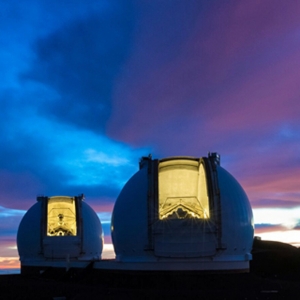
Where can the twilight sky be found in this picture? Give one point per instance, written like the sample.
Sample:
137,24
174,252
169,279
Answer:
88,87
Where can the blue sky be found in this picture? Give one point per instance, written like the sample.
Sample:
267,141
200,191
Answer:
88,87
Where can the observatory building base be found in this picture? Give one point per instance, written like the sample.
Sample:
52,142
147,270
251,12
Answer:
38,268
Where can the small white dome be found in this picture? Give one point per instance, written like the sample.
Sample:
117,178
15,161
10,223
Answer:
183,208
60,228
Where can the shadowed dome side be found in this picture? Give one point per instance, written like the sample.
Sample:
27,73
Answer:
236,214
29,234
92,233
129,219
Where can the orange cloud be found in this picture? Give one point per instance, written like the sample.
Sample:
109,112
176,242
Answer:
9,263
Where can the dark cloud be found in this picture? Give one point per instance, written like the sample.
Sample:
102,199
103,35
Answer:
80,62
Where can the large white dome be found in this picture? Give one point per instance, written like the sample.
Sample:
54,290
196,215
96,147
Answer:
183,209
59,228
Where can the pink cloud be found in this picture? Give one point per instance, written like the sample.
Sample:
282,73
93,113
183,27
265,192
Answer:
269,97
272,173
224,78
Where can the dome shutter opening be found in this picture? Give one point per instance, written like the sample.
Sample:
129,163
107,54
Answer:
184,227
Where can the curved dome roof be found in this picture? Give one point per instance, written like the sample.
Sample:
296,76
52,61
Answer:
60,227
183,208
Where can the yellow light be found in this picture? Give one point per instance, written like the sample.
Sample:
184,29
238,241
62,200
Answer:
61,215
182,190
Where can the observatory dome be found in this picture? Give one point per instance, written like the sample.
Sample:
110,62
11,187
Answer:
59,228
183,211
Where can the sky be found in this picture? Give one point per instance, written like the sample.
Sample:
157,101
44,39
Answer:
88,87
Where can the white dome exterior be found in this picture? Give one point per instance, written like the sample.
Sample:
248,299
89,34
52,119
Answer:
37,241
129,225
218,235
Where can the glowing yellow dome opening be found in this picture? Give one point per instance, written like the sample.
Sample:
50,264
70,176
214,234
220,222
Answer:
61,216
182,190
